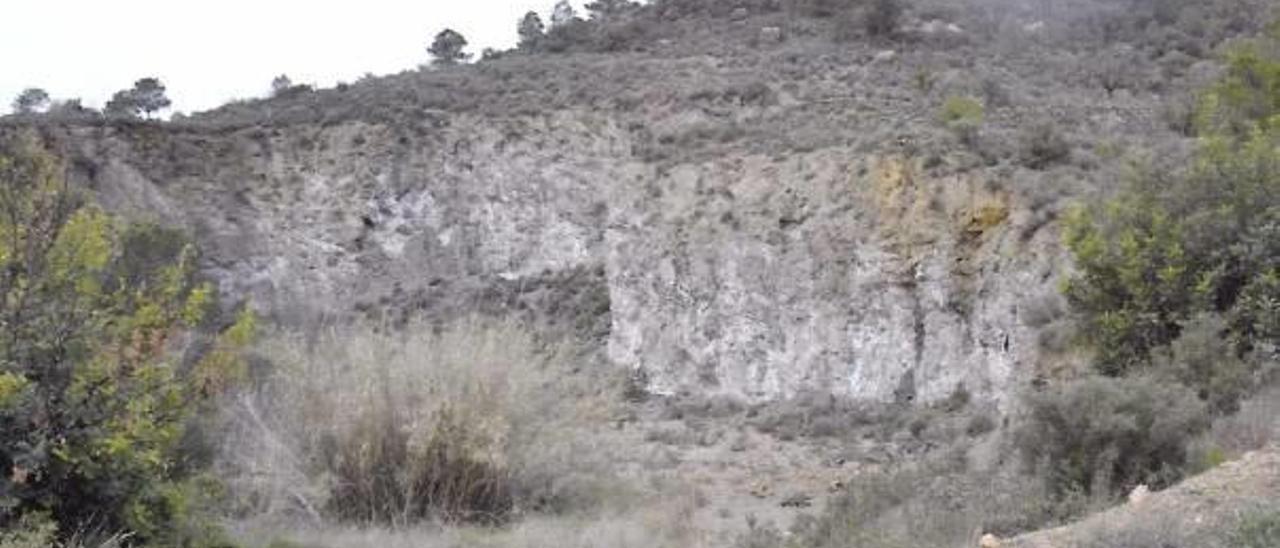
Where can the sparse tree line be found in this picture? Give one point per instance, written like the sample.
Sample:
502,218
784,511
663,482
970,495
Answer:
602,29
146,98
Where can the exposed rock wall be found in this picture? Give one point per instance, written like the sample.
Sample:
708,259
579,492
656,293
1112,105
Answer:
865,275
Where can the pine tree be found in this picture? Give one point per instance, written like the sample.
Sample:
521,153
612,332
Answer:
531,31
447,48
31,100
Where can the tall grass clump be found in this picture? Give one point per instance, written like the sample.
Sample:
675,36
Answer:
469,423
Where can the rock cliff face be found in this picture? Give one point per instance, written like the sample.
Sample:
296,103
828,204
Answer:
860,274
863,276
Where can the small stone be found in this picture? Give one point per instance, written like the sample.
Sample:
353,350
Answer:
760,490
884,55
1139,494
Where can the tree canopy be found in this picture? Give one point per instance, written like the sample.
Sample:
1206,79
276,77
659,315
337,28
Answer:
31,100
447,48
531,30
146,97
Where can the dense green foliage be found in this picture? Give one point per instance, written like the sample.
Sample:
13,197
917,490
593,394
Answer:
93,400
1177,290
963,117
1202,241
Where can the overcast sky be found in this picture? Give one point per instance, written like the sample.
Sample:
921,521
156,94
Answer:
208,52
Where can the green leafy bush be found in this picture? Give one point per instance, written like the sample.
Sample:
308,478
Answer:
1172,245
32,530
93,401
963,117
1248,95
1102,436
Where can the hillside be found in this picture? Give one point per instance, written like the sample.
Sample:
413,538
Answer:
745,273
755,219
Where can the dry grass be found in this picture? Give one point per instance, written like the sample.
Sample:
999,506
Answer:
474,422
659,524
939,502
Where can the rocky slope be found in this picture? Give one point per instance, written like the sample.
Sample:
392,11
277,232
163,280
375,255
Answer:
774,219
753,276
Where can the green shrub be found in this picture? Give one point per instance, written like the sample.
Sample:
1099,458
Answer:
1203,359
93,403
32,530
1248,95
963,117
1043,146
1174,245
1134,285
1169,247
1103,436
1258,530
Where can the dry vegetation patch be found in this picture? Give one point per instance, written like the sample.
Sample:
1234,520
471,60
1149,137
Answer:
477,421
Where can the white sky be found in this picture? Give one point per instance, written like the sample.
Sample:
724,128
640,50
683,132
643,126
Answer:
207,52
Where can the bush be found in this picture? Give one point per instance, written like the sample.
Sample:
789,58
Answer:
938,501
963,117
1249,92
369,426
881,17
1172,245
93,402
1043,146
1203,359
1169,247
1258,530
33,530
1103,436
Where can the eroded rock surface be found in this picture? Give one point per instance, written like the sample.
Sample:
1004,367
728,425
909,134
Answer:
861,274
